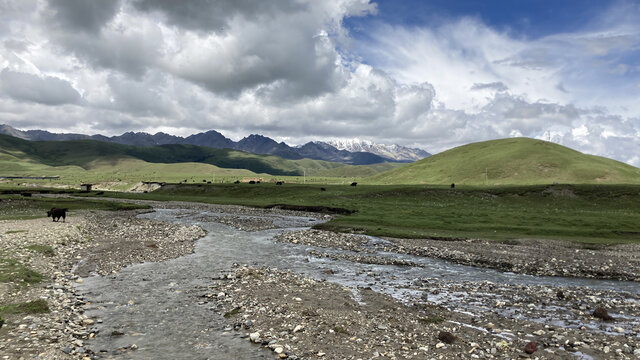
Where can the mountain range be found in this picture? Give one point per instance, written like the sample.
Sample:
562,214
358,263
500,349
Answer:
353,152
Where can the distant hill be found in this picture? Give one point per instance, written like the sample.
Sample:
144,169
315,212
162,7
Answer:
256,144
19,154
511,161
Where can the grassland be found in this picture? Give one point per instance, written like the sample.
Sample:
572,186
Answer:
596,214
119,167
515,161
17,155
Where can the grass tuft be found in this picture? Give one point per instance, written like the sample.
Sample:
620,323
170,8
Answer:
13,271
45,250
31,307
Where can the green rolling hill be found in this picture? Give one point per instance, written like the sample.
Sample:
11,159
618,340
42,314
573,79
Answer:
511,161
90,161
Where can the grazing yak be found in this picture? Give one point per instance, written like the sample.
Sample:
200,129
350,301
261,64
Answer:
354,183
57,213
279,183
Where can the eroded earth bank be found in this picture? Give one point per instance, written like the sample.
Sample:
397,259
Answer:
261,285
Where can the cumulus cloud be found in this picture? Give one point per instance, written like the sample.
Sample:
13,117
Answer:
291,70
498,86
46,90
81,15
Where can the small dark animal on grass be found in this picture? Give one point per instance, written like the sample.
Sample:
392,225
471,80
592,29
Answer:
252,182
57,213
453,185
279,183
354,183
237,182
323,189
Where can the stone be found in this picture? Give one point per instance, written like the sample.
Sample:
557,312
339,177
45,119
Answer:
298,328
88,322
531,347
255,337
601,313
446,337
439,345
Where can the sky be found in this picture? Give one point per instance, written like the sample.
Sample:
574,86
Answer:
432,74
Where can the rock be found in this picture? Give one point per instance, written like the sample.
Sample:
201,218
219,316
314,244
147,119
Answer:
446,337
298,328
439,345
531,347
618,330
560,295
601,313
278,349
255,337
88,322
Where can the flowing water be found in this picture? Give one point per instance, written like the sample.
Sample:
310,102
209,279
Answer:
153,303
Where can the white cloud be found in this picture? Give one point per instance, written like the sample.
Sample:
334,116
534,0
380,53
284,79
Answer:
46,90
290,70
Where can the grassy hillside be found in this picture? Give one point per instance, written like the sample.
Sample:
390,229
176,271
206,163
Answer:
360,171
511,161
20,157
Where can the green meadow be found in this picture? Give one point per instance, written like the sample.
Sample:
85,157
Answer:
596,214
505,189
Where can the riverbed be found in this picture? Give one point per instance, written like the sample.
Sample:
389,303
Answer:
177,308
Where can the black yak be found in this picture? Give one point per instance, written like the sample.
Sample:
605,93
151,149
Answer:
57,213
279,183
354,183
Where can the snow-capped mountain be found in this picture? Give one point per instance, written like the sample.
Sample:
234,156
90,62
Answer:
394,152
353,151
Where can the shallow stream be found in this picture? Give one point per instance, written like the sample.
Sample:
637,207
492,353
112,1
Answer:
153,306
